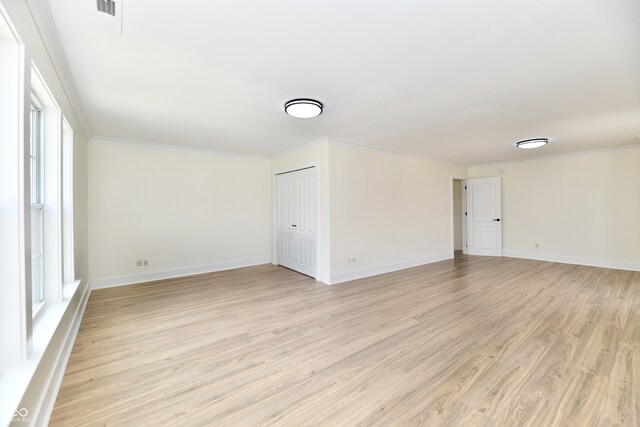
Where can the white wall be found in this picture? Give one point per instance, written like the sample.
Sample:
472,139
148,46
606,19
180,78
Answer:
317,155
184,211
457,214
583,208
388,211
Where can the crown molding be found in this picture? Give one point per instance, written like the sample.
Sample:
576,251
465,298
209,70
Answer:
339,142
6,27
319,141
351,144
366,147
41,14
169,147
560,155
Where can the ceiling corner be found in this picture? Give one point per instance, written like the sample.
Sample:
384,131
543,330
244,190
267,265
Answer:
41,13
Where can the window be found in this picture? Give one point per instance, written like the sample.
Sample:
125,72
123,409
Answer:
37,206
45,170
32,180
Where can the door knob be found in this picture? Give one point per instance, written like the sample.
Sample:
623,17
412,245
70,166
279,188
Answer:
497,219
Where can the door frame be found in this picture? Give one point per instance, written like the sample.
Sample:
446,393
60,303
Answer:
452,214
274,214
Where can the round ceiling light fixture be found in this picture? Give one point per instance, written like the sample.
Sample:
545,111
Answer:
303,108
528,144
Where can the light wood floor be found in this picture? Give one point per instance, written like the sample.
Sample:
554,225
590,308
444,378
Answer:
470,342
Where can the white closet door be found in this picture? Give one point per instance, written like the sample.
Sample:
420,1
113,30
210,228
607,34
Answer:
296,220
484,217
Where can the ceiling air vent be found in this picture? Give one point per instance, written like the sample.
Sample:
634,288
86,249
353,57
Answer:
107,6
109,15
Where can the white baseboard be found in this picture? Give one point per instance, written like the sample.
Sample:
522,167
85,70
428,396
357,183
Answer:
618,265
171,274
43,415
325,279
368,272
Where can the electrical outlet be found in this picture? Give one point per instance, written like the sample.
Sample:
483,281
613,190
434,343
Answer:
145,262
351,260
537,245
139,263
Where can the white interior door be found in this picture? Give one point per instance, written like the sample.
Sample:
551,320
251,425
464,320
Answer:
484,217
296,220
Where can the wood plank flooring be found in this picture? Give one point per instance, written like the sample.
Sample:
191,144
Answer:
475,341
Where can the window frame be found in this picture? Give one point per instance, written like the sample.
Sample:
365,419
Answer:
68,251
27,333
37,161
51,131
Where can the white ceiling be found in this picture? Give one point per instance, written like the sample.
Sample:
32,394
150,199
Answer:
454,80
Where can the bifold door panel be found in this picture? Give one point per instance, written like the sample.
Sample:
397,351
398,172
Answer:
296,220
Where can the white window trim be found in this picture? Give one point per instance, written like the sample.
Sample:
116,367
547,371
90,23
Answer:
51,196
68,253
26,331
15,301
36,107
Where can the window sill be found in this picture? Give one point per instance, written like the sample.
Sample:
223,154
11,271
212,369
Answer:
49,318
69,289
15,378
46,317
37,309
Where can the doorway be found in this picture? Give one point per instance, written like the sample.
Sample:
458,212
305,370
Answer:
457,212
296,220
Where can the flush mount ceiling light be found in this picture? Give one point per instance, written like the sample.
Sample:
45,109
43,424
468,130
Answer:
303,108
528,144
